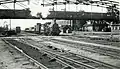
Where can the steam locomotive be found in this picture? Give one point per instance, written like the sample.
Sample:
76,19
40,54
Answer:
45,29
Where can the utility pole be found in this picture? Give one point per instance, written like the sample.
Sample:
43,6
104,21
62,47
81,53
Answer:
10,24
14,7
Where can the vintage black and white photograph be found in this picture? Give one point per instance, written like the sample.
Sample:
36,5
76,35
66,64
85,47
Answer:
59,34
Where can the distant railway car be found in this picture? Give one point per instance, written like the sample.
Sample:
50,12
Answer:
18,29
26,29
38,28
9,33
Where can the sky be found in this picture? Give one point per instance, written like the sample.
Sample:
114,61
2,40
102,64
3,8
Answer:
35,7
23,23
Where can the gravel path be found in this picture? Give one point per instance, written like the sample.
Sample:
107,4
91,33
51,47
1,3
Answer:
11,59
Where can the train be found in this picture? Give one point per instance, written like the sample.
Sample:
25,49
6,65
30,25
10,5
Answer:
15,31
18,29
45,29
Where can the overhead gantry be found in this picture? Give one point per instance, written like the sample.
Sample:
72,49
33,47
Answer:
61,15
111,6
13,13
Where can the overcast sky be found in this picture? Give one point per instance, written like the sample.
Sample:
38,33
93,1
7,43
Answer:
35,7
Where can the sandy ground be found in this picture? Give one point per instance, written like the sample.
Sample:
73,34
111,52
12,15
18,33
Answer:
95,56
89,43
12,59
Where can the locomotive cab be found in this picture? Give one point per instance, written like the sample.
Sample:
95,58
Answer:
55,29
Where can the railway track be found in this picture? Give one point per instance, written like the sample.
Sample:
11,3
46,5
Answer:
103,51
45,62
99,41
30,58
77,61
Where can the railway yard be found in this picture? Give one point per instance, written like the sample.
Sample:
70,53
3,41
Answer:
29,51
59,34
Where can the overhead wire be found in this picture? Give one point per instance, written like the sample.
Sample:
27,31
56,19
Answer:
21,5
12,1
91,9
5,6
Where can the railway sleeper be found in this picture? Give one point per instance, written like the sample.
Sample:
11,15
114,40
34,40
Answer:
60,61
77,66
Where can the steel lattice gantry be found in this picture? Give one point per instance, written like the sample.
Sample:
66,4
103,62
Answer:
80,16
111,6
13,13
11,1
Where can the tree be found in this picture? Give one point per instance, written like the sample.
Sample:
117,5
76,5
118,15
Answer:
39,14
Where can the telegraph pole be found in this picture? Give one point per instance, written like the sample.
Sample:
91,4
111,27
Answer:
14,7
10,24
